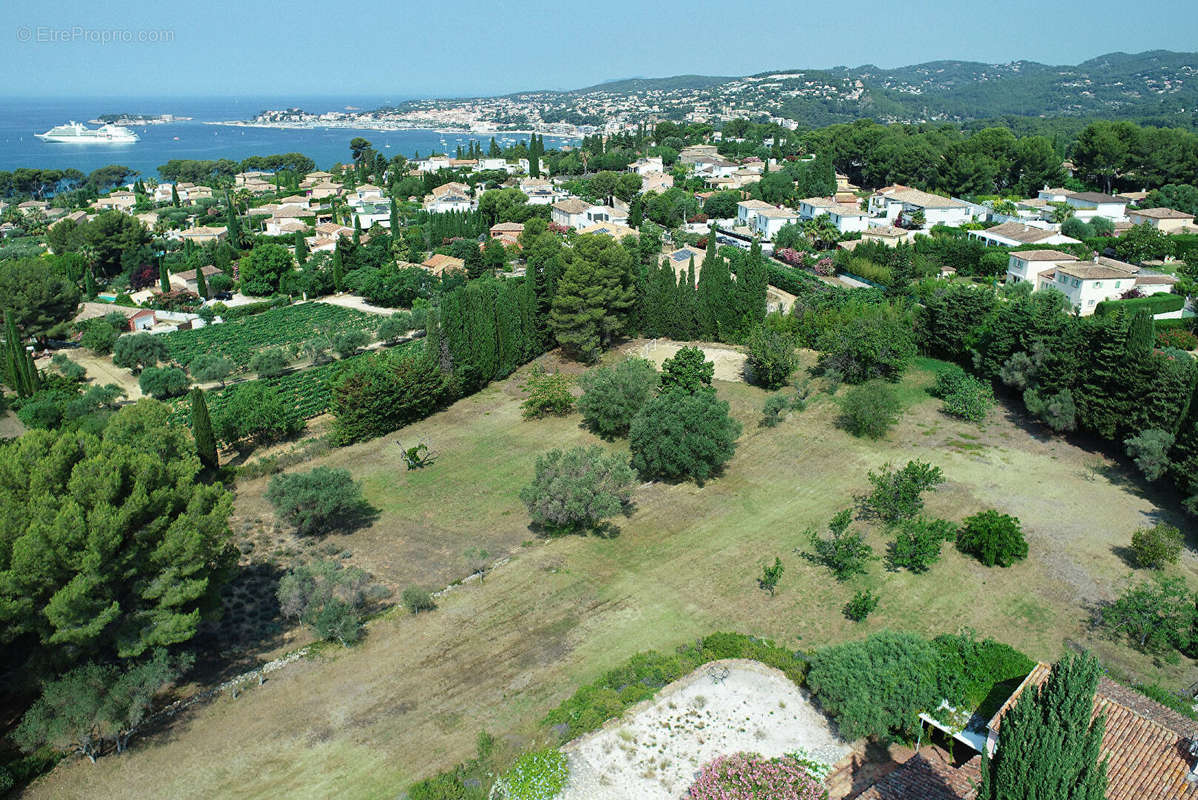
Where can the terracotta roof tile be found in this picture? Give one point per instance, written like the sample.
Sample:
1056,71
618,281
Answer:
928,777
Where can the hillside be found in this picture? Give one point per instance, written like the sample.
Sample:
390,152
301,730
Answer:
1159,85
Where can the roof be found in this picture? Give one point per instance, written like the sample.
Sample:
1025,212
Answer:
1025,234
1147,743
611,229
914,197
928,776
1096,197
440,264
204,230
571,206
847,210
887,231
1093,271
508,227
1043,255
753,205
1161,213
818,202
89,310
778,213
190,274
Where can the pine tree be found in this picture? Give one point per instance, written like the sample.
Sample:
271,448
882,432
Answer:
201,430
201,283
337,267
1048,747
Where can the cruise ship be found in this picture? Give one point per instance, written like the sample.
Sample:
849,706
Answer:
77,132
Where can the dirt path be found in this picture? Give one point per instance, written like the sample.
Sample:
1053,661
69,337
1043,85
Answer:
102,371
729,364
356,303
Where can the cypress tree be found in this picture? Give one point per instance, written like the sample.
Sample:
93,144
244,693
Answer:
393,223
1141,335
301,248
201,430
337,267
174,195
20,373
164,278
89,283
357,230
1047,745
201,283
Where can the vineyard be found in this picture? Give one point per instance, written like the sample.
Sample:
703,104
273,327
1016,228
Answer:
239,340
307,389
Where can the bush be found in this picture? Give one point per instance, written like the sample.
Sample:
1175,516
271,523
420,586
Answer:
878,686
748,776
869,409
1159,303
548,393
327,597
772,357
576,490
949,380
395,326
1158,546
209,367
993,538
1156,616
270,363
67,368
971,400
861,606
164,383
776,406
378,393
770,575
136,351
1058,411
1177,339
538,775
868,348
977,674
898,494
314,502
688,371
678,435
255,413
99,337
348,343
1150,452
415,600
845,554
612,396
916,544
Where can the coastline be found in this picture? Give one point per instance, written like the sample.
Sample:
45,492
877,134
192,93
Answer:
366,125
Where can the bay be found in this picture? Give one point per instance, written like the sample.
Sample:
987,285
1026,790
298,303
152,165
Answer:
21,118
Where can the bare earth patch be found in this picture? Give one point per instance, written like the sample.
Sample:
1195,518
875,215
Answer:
729,364
656,749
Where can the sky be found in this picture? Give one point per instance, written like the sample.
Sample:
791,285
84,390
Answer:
481,47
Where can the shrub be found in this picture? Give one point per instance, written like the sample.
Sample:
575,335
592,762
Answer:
861,606
395,326
771,357
993,538
845,554
1156,616
255,413
208,367
949,380
415,600
577,489
776,406
977,674
136,351
1058,411
377,393
67,368
971,400
270,363
688,371
313,502
99,337
538,775
1175,338
1158,546
548,393
770,575
878,686
869,409
348,343
1150,452
327,597
898,494
612,396
163,383
748,776
679,435
869,348
916,544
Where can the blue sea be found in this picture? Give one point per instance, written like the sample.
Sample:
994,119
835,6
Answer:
21,118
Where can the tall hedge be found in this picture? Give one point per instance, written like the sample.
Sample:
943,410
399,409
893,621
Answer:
1159,303
378,393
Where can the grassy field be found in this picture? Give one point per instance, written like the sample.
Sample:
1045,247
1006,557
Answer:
498,654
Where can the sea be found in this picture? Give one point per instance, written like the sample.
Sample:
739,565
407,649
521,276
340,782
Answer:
21,118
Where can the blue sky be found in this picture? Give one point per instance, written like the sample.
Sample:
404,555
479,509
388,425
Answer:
307,47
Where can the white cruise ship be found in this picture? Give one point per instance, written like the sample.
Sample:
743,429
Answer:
76,132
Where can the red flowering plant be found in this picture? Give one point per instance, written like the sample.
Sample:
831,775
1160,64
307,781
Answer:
749,776
825,266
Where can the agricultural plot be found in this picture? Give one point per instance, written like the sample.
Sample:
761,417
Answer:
239,340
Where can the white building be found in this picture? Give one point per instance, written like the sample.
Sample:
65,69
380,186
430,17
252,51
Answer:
768,221
604,214
643,166
746,211
895,201
1026,266
848,217
1088,283
1165,220
1088,205
570,213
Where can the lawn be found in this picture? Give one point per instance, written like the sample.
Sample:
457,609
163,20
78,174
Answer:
497,655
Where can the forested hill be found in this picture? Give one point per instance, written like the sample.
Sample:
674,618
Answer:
1158,86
